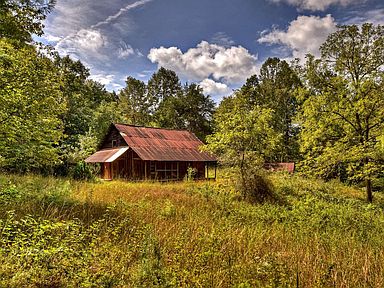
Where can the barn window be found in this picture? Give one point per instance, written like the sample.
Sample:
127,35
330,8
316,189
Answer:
114,143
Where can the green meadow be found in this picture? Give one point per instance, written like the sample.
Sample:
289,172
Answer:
63,233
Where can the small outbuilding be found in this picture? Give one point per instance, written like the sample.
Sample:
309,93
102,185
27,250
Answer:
147,153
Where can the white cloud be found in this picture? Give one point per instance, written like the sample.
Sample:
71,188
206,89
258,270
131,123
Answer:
375,16
317,5
127,8
103,79
225,64
117,86
85,31
222,39
51,38
214,88
125,51
304,35
85,44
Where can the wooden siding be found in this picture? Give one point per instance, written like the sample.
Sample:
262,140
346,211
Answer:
129,166
113,135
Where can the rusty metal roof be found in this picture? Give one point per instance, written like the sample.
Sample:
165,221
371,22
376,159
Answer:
158,144
106,155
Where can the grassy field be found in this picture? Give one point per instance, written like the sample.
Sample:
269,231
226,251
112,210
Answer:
61,233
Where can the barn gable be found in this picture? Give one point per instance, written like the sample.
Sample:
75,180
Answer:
112,139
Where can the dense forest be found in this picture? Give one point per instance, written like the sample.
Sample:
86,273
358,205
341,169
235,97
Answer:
327,113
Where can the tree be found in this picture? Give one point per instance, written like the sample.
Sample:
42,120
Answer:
188,109
19,19
135,102
162,85
243,137
242,130
275,89
83,98
30,106
343,112
196,111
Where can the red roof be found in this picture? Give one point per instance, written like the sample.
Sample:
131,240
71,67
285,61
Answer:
157,144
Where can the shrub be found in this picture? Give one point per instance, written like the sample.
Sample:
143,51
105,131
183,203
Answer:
191,174
82,171
255,187
9,193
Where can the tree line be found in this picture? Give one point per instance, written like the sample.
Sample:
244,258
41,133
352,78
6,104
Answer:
326,114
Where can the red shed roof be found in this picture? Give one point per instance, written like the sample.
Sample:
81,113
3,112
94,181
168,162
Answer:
158,144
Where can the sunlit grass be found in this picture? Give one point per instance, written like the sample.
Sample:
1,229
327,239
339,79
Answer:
188,234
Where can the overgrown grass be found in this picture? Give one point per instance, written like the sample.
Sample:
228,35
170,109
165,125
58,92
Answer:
61,233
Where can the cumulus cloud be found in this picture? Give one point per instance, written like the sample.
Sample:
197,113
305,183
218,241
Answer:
230,65
303,35
214,88
317,5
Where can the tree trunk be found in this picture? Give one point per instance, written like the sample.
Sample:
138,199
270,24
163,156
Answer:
368,184
369,190
242,172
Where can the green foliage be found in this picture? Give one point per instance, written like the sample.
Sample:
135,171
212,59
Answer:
163,102
136,103
9,193
88,104
83,171
196,111
82,96
244,138
103,116
275,89
20,19
343,113
242,131
30,106
254,185
180,107
191,174
163,84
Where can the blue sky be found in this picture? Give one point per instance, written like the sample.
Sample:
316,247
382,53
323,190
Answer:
216,43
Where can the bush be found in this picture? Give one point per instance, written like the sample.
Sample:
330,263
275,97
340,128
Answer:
82,171
254,185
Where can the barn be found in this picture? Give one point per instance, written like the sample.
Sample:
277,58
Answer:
147,153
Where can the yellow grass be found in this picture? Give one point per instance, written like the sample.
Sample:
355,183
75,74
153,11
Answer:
200,234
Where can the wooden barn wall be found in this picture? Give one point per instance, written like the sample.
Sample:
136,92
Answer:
113,134
130,166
